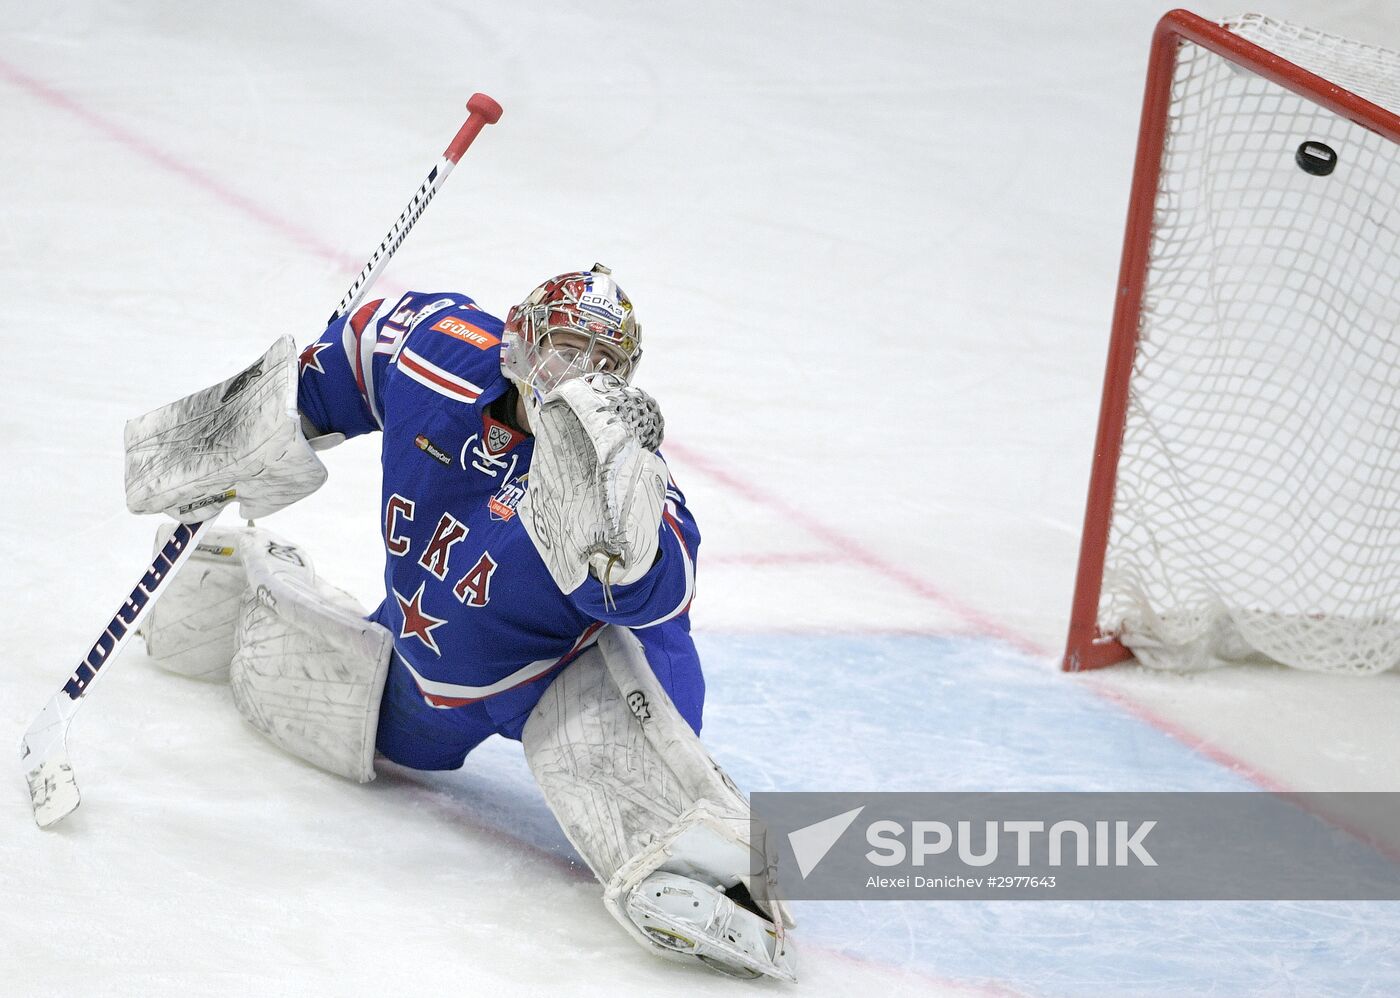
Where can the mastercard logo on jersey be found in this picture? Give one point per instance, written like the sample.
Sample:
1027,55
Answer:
432,450
466,332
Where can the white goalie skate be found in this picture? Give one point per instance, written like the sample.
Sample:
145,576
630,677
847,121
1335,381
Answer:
696,920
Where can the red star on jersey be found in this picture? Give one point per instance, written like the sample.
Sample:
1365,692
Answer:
311,358
417,623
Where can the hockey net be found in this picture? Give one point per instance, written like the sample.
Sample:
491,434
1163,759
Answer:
1246,494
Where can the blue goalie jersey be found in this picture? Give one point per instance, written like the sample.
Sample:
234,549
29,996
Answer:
479,625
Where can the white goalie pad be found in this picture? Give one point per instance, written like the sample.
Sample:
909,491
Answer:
309,669
596,491
238,440
191,630
638,796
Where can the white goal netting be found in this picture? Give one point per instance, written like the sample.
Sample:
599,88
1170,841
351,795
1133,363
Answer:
1257,508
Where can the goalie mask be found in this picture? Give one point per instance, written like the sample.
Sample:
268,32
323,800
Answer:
572,325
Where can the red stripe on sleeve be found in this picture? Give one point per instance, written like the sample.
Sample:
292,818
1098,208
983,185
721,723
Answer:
363,314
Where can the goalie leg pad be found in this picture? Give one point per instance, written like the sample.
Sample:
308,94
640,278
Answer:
309,669
637,795
190,631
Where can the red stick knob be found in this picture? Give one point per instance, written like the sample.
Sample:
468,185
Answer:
484,111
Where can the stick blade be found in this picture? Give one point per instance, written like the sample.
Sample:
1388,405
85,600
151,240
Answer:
53,790
43,751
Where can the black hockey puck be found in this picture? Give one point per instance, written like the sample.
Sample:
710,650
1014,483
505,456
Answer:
1317,158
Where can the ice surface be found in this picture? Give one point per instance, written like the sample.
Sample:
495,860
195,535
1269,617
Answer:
874,249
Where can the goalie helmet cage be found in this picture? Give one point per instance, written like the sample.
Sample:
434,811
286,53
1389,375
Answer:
1245,493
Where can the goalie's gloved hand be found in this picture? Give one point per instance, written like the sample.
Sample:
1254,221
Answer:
597,489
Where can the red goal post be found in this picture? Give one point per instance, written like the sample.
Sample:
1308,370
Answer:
1089,644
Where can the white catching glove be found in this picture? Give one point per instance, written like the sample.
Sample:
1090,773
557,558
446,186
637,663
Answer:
597,489
240,439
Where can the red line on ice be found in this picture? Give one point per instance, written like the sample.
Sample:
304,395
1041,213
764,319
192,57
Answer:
1192,741
855,551
776,558
168,161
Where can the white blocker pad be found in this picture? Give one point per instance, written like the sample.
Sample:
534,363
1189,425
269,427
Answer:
190,631
238,440
634,789
309,670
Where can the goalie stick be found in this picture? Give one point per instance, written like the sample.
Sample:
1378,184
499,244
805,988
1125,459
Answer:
43,750
484,111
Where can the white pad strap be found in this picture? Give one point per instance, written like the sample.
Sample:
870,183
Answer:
240,439
309,671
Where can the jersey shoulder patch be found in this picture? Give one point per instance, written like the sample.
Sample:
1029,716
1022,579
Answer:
453,351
